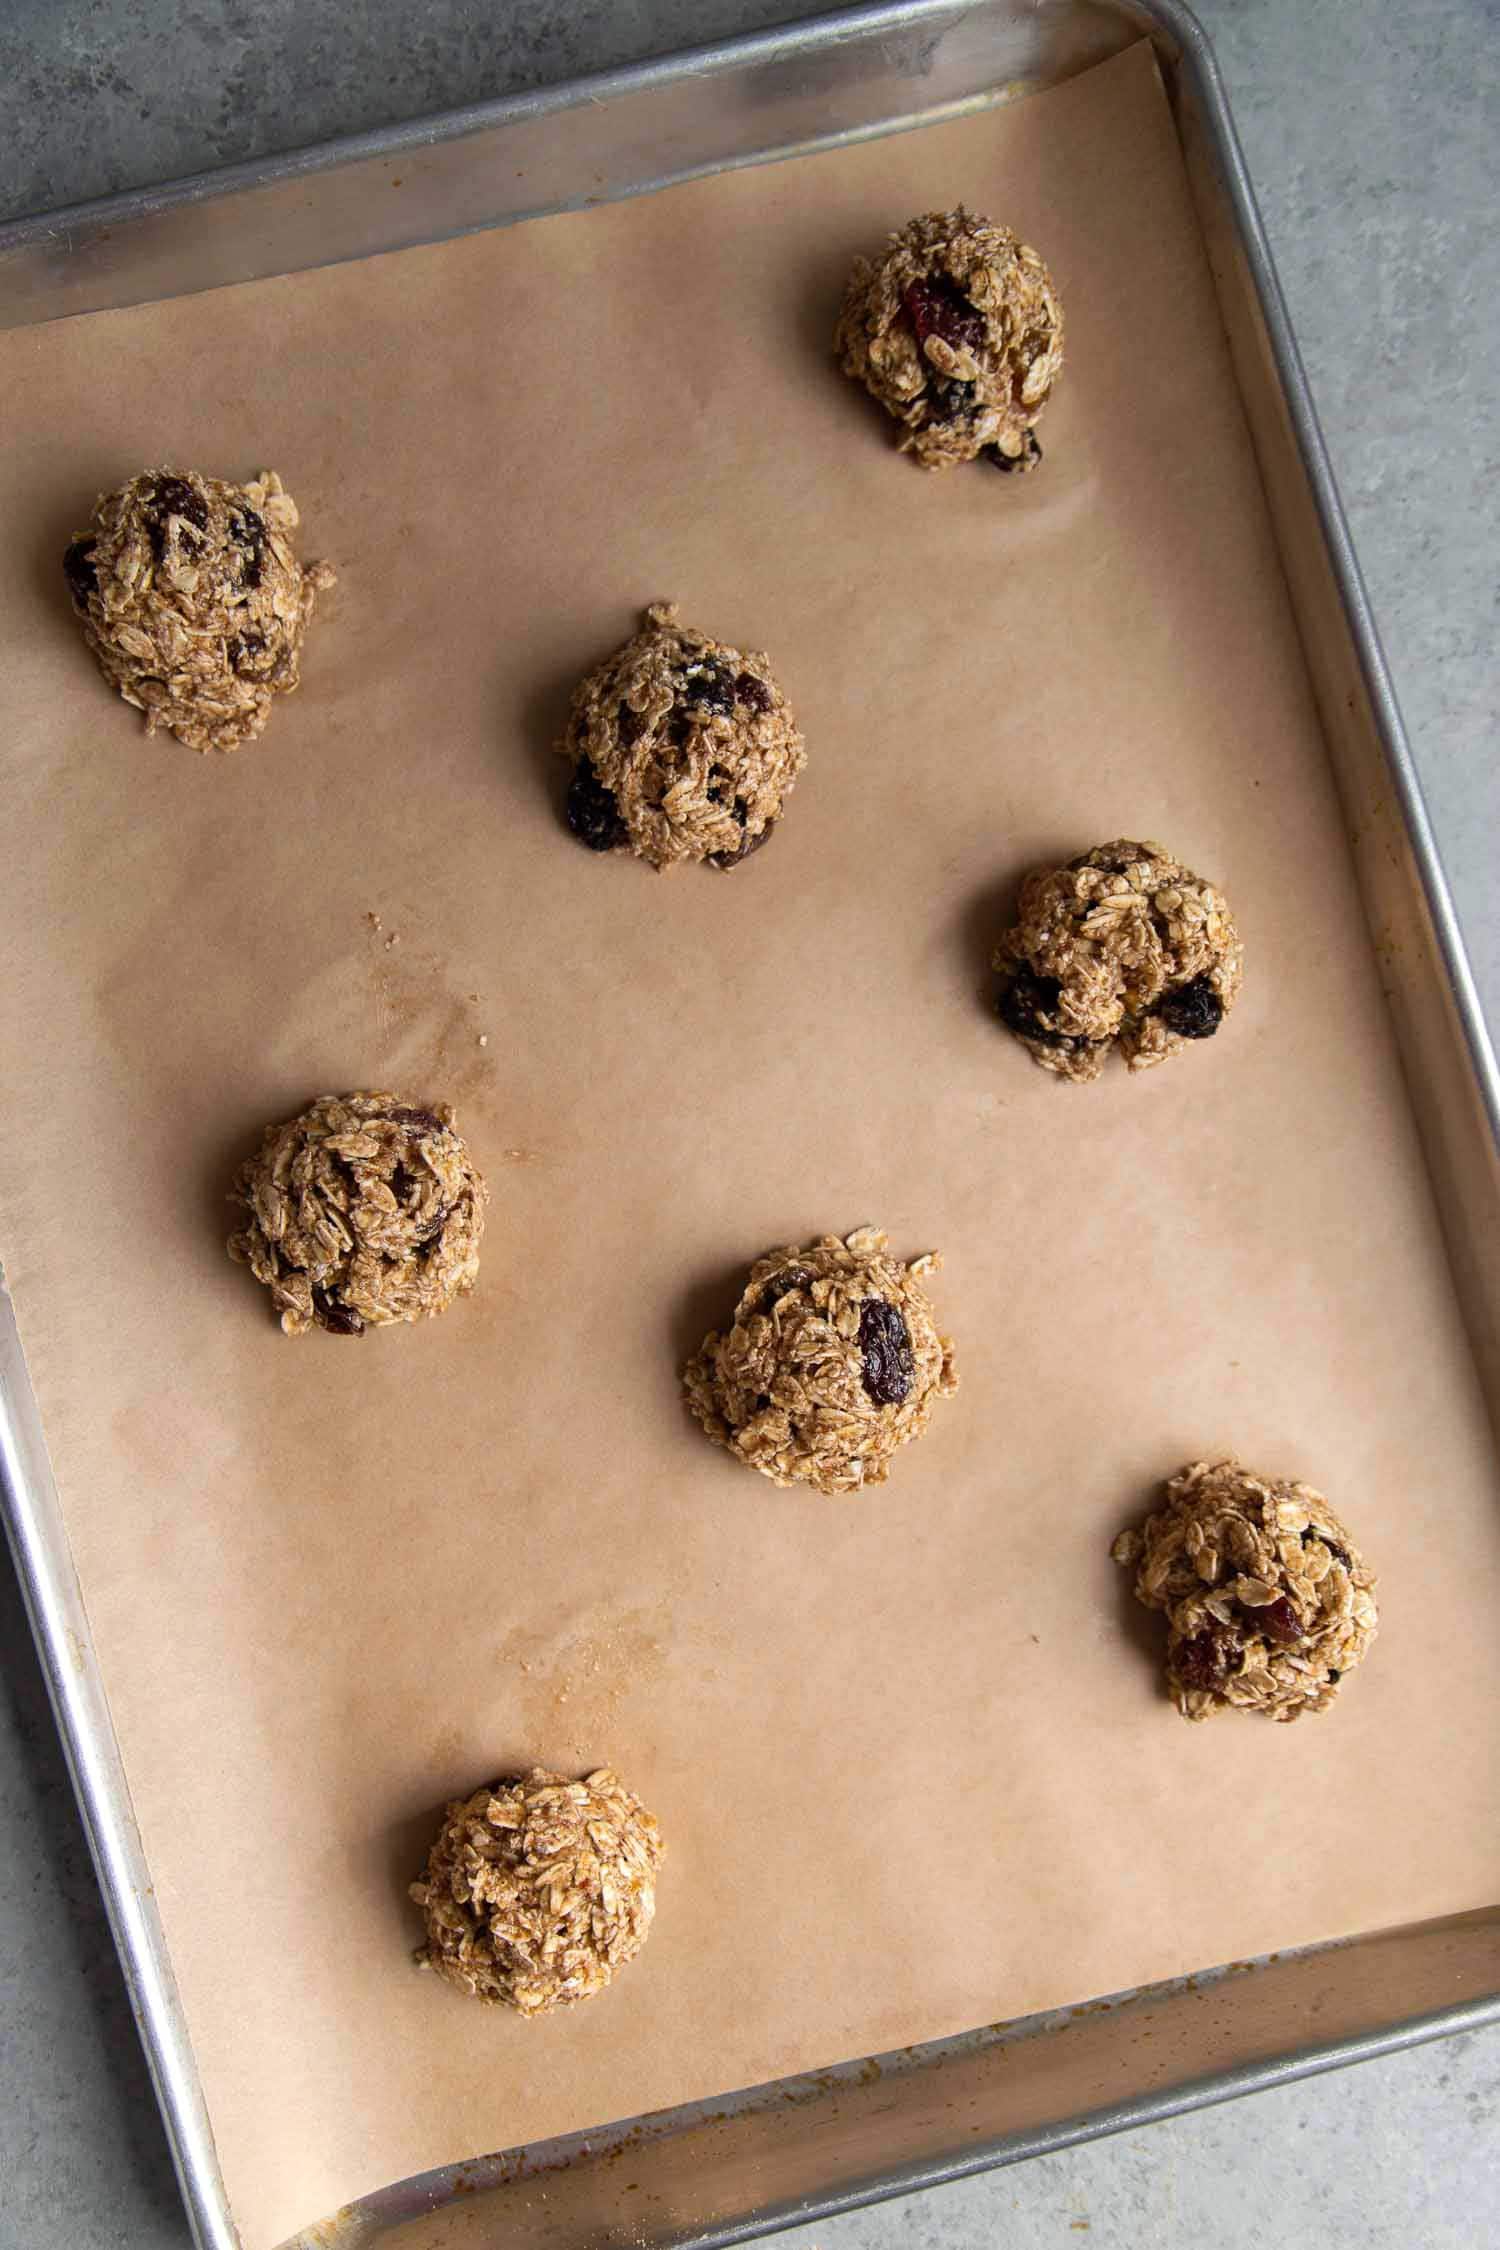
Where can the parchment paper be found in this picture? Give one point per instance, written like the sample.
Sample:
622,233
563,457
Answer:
909,1751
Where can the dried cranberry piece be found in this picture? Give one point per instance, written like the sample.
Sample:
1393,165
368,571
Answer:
949,402
79,571
1022,1005
890,1368
936,306
593,815
749,690
172,496
1278,1621
1193,1011
337,1319
1027,458
175,496
418,1121
248,531
629,725
708,687
1207,1659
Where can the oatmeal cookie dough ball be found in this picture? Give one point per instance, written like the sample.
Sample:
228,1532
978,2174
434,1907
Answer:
1125,948
538,1890
361,1212
193,601
1269,1605
833,1361
957,330
683,748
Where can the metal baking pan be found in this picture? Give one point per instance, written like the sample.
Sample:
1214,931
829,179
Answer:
802,2148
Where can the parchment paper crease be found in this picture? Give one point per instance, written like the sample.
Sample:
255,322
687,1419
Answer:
909,1752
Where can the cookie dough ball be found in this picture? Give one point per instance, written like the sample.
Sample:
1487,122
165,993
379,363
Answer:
1124,947
682,748
833,1361
361,1212
956,329
194,602
1268,1603
538,1890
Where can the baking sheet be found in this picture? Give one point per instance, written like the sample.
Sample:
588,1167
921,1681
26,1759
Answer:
908,1750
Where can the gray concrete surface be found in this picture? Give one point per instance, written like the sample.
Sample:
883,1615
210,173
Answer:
1374,137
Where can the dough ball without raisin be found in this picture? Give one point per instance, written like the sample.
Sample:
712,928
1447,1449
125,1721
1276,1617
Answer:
538,1890
361,1212
1269,1605
832,1362
682,748
957,330
1124,948
193,601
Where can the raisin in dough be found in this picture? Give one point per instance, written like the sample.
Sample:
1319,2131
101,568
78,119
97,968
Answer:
539,1890
193,601
957,330
1269,1605
832,1362
1124,947
683,748
361,1212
